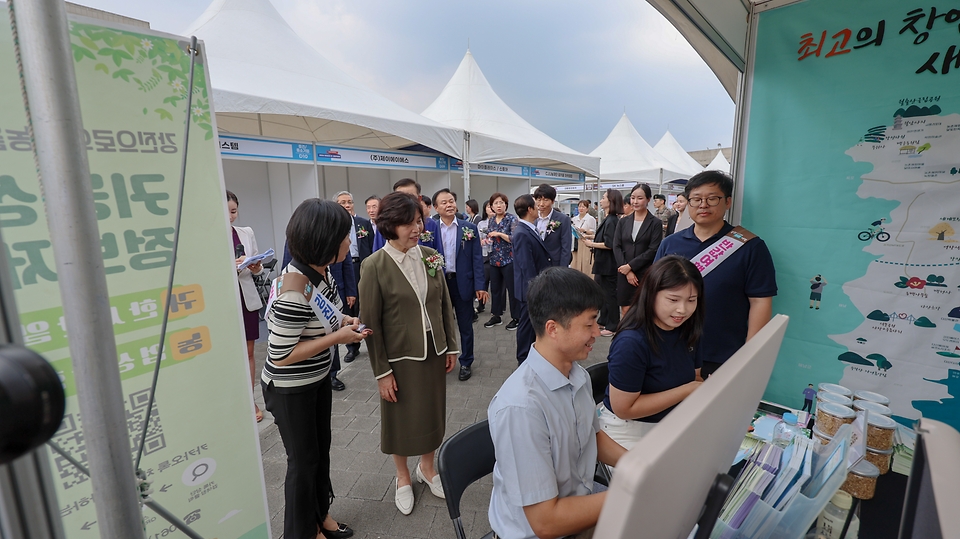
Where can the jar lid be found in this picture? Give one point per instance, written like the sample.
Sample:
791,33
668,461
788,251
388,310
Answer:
879,451
820,433
837,410
865,469
872,407
842,500
871,396
826,396
881,421
834,388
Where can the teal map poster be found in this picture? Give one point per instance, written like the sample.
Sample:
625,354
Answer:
852,177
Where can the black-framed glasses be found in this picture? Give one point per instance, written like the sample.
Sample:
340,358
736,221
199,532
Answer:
713,200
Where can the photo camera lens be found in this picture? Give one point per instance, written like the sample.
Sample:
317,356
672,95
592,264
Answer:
31,401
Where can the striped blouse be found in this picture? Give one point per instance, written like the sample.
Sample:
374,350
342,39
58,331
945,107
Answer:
291,320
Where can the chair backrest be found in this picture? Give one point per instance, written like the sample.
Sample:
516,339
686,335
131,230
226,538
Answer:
464,458
599,374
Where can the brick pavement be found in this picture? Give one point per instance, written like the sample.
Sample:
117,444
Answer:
363,476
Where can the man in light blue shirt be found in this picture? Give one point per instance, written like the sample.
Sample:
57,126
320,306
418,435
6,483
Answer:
543,420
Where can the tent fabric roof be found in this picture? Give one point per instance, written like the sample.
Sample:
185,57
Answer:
668,147
626,156
497,132
267,81
719,163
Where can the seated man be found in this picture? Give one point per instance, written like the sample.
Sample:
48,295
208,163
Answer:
543,420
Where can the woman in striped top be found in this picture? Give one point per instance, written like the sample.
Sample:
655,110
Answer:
296,375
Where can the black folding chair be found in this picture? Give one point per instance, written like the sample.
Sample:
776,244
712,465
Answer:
464,458
599,373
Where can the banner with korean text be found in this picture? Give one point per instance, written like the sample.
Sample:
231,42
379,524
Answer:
852,176
202,453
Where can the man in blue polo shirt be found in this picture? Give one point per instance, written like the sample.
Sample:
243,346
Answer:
738,287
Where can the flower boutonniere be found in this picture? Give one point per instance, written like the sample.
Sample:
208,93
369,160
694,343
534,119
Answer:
434,263
426,236
362,232
552,225
467,234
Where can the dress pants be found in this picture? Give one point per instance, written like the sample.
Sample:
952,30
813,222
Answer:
354,311
525,333
610,312
335,362
501,289
464,309
303,419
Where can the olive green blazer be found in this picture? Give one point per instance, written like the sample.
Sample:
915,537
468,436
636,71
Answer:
390,307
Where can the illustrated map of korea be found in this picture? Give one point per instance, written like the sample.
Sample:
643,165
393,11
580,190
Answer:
910,295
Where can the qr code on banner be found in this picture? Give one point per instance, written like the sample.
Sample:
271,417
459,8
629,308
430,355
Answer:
70,437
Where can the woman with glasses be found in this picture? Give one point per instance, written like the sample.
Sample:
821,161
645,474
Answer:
635,244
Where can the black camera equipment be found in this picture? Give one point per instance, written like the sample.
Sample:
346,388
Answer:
31,401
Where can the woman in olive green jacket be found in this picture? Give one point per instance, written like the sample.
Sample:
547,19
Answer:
415,342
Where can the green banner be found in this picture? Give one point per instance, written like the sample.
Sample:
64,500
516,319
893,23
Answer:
202,452
852,176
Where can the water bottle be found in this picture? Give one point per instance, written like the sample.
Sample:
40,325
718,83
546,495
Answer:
830,522
785,430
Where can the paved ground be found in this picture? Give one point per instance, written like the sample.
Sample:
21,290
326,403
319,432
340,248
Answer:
363,476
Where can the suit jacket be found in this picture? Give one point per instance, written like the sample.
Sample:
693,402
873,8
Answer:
469,262
365,244
640,253
430,226
247,287
558,242
530,257
390,307
344,274
671,224
604,261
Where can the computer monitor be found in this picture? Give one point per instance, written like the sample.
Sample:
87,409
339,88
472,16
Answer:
661,484
933,490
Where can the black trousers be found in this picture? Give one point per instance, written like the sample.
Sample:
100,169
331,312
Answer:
610,312
304,422
501,283
353,311
525,333
486,276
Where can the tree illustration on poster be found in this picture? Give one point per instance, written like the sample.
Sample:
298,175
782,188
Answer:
202,452
862,186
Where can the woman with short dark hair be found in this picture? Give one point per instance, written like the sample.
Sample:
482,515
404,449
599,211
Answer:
499,229
296,375
414,342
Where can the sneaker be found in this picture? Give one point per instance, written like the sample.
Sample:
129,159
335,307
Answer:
607,333
494,321
512,326
481,308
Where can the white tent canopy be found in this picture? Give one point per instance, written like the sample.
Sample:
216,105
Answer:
268,82
719,163
626,156
673,151
497,133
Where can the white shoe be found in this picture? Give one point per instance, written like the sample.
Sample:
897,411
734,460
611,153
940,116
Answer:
436,487
404,498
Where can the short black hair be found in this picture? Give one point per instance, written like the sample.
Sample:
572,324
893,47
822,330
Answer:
315,231
233,197
426,200
544,303
372,197
445,190
405,182
710,177
472,204
397,209
545,190
658,196
524,204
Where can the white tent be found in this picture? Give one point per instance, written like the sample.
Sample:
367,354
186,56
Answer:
672,150
719,163
626,156
497,133
269,82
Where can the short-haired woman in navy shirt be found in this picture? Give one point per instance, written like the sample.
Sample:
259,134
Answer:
654,360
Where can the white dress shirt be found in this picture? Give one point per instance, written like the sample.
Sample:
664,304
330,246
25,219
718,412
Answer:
412,265
354,247
449,237
541,225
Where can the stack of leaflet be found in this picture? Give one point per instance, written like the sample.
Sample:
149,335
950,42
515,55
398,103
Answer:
780,492
904,441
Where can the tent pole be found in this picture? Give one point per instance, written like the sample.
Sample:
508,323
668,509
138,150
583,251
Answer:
53,105
661,182
466,166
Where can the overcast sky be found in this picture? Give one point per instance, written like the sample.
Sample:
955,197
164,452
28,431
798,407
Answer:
568,68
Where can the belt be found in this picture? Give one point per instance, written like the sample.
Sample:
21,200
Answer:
451,275
356,259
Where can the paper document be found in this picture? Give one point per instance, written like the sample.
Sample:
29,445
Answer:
266,257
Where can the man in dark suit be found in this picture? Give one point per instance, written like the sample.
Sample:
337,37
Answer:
464,271
554,227
361,246
344,275
530,257
431,229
